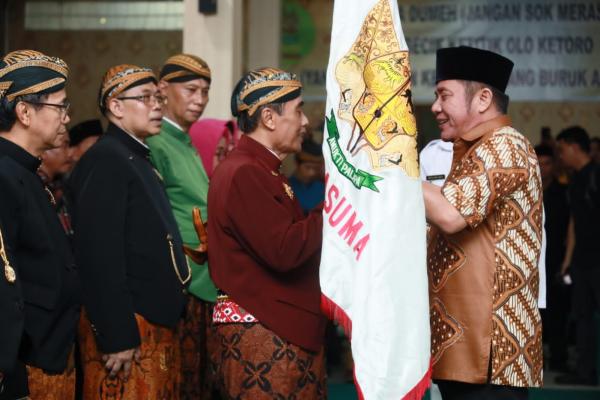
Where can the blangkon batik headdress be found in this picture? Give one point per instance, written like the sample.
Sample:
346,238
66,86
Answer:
183,68
25,72
120,78
264,86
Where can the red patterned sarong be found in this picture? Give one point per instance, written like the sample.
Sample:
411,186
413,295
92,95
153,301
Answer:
155,376
252,362
44,386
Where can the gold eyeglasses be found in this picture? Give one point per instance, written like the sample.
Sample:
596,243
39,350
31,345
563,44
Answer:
145,98
63,108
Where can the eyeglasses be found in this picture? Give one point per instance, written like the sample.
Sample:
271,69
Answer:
63,108
146,99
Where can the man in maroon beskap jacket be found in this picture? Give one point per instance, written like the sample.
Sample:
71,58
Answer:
264,253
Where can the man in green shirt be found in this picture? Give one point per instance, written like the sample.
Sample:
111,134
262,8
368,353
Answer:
184,83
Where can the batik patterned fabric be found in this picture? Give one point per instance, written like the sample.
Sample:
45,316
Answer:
120,78
257,364
44,386
264,86
484,280
184,67
24,72
155,376
195,339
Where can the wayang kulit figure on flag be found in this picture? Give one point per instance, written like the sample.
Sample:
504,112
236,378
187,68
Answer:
373,265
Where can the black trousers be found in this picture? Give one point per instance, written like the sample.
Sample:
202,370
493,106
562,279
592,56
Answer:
555,320
452,390
586,302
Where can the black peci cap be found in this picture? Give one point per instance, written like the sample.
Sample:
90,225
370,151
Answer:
471,64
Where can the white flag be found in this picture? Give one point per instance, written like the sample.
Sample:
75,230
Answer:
373,267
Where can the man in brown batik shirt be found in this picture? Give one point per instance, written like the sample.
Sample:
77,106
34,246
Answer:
486,237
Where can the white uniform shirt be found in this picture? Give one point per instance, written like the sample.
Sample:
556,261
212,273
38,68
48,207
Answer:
435,162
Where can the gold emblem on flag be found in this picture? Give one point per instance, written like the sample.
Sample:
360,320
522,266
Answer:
375,95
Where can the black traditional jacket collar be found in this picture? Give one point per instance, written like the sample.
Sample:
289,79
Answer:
128,141
19,154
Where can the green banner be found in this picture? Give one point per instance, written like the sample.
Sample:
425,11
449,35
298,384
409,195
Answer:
359,178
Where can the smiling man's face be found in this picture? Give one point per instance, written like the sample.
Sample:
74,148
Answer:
453,112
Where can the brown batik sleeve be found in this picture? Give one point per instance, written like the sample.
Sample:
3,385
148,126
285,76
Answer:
493,168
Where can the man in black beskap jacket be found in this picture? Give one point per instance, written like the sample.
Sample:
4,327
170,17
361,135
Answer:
133,269
40,287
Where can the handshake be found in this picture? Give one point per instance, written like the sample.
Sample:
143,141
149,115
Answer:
200,254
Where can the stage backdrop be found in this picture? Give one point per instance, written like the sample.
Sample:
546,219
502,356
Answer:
555,44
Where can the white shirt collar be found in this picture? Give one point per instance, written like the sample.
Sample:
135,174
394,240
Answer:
175,124
136,139
272,152
447,146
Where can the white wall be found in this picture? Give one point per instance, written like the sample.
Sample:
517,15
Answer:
218,40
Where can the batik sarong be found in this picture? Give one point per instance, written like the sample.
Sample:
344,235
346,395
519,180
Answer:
45,386
252,362
155,376
195,338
